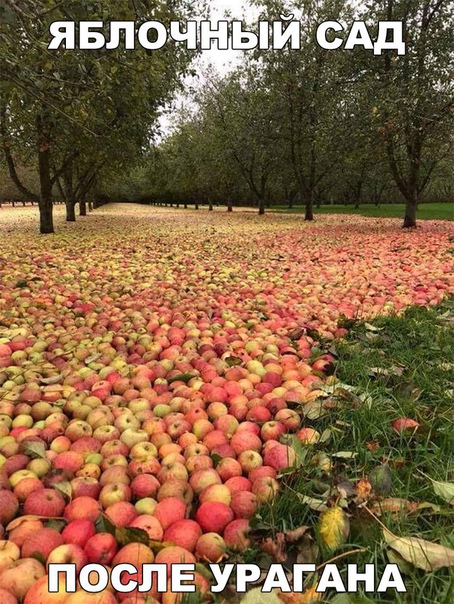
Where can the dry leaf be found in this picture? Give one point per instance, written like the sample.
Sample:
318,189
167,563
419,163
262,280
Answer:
392,505
310,596
422,554
363,489
275,547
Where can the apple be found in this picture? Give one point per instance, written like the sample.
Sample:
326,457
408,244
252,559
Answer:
245,441
25,487
174,555
249,460
308,436
101,548
170,510
149,524
7,598
42,542
121,513
216,492
262,472
68,553
19,579
9,506
47,503
201,479
114,492
78,532
144,485
280,457
238,483
82,508
22,528
71,461
244,504
85,486
272,430
133,436
210,547
176,488
214,516
9,553
265,489
235,535
184,533
289,418
143,449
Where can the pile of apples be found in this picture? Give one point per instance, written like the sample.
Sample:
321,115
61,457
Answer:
147,371
186,449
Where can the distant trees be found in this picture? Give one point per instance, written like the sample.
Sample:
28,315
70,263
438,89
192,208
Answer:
305,127
77,112
314,126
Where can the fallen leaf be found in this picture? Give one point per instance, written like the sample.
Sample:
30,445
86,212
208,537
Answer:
310,596
380,479
333,527
444,490
391,505
423,554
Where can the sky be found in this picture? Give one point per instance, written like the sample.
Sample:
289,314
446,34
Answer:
222,60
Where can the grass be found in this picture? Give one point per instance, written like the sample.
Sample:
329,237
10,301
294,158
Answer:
402,367
429,211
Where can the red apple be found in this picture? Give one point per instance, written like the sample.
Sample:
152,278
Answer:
213,517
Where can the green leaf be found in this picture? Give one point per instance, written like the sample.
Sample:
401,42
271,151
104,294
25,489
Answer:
64,488
444,490
127,534
233,361
104,525
38,556
34,450
182,377
381,480
58,525
300,451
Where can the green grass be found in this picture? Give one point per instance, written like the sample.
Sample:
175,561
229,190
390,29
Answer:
429,211
403,369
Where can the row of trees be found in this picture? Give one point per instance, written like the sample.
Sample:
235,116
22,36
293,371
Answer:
315,126
80,117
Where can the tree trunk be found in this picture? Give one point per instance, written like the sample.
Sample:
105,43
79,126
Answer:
229,206
90,206
185,206
82,208
309,215
46,220
410,214
196,207
261,207
70,211
210,206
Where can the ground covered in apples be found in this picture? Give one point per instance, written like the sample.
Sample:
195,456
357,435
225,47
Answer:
172,387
